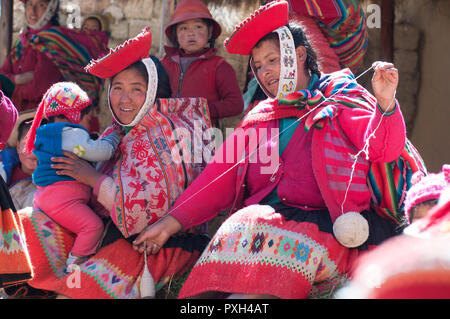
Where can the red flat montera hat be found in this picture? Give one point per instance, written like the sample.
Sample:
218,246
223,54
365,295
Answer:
122,56
266,19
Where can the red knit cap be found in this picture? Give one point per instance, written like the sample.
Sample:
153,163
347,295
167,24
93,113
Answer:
266,19
426,187
62,98
192,9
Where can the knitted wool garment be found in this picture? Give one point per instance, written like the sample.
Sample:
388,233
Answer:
426,187
62,98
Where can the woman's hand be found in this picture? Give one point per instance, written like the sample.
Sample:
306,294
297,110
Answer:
154,236
77,168
23,78
384,84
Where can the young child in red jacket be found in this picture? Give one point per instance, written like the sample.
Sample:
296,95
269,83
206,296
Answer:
192,64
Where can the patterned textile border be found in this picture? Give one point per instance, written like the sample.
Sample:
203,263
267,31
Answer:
108,274
257,250
271,246
51,239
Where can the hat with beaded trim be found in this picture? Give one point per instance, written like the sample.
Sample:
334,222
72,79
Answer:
263,21
122,56
119,58
272,17
62,98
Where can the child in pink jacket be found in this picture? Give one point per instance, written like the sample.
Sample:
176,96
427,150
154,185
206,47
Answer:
59,196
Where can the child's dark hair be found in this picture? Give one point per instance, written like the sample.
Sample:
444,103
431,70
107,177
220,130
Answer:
83,113
24,127
100,25
163,90
299,40
210,26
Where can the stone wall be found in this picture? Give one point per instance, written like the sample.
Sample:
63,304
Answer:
407,38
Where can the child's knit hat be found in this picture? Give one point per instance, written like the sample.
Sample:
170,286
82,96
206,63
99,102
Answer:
62,98
192,9
426,187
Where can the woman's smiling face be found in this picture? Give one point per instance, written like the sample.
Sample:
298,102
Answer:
34,9
127,95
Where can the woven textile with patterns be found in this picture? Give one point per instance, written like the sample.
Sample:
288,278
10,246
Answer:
147,182
342,23
14,263
388,182
160,181
254,246
70,50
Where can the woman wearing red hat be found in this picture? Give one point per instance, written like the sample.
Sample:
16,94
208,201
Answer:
301,207
25,66
46,53
193,60
132,190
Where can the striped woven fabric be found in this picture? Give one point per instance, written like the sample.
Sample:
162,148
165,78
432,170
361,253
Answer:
343,24
388,182
159,158
67,54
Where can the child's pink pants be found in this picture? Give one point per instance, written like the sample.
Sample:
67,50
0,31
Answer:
66,203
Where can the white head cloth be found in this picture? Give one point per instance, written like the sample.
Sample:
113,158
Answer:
152,87
46,17
287,83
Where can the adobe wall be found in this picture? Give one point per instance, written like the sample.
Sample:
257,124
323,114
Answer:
421,46
431,133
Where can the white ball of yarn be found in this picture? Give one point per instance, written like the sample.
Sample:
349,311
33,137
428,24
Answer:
351,229
147,288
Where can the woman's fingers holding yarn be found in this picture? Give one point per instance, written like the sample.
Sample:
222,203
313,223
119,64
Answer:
154,236
148,245
384,83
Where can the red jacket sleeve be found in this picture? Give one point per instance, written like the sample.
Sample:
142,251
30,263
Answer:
45,74
230,101
214,189
389,139
7,69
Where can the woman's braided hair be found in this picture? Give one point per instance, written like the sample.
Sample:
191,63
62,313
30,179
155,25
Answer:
300,40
